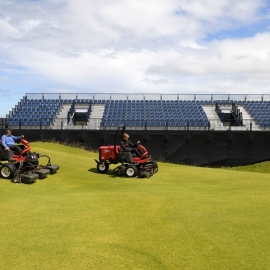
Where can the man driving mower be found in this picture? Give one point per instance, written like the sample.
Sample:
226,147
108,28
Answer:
127,145
8,141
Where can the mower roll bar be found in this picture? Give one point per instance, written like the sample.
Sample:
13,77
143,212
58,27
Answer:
116,136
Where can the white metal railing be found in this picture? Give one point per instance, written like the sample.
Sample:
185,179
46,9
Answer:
95,123
149,96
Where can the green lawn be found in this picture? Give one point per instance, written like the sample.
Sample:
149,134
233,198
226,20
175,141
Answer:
183,217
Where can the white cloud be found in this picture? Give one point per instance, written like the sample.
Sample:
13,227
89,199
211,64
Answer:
250,56
89,25
133,46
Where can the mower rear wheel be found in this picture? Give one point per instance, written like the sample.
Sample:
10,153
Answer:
103,167
8,170
131,171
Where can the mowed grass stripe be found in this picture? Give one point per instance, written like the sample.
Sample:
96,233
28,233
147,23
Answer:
181,218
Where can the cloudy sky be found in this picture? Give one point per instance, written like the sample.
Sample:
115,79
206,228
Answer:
120,46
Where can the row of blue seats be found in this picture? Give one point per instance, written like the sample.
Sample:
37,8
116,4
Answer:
157,115
29,123
50,119
153,109
155,122
38,109
33,116
144,103
39,106
145,107
43,100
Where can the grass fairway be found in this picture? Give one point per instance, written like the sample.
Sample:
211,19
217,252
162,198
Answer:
181,218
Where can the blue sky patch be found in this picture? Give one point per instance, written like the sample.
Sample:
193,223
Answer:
240,32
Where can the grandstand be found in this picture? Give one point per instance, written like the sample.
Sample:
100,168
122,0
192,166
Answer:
206,130
141,111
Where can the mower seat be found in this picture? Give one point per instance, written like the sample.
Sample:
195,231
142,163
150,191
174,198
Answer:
1,146
6,154
124,157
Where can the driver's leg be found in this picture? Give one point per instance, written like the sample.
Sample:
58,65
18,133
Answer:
15,148
136,152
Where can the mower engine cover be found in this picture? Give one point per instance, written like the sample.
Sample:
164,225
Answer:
32,158
107,152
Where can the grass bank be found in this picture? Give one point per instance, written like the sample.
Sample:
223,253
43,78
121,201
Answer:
181,218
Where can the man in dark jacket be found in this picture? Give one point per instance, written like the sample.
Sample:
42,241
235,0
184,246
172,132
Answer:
127,145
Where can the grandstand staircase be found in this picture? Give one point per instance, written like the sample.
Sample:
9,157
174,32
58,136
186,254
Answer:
61,119
95,116
217,124
213,117
247,119
92,123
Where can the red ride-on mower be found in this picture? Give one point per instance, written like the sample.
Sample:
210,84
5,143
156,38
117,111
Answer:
24,167
131,166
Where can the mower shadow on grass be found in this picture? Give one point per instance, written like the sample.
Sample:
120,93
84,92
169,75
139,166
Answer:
8,181
110,173
94,170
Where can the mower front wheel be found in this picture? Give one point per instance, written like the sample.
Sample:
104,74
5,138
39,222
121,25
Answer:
103,167
131,171
7,170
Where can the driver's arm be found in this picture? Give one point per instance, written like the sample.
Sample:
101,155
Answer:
4,143
17,138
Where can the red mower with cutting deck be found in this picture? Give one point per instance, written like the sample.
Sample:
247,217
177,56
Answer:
131,166
24,167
